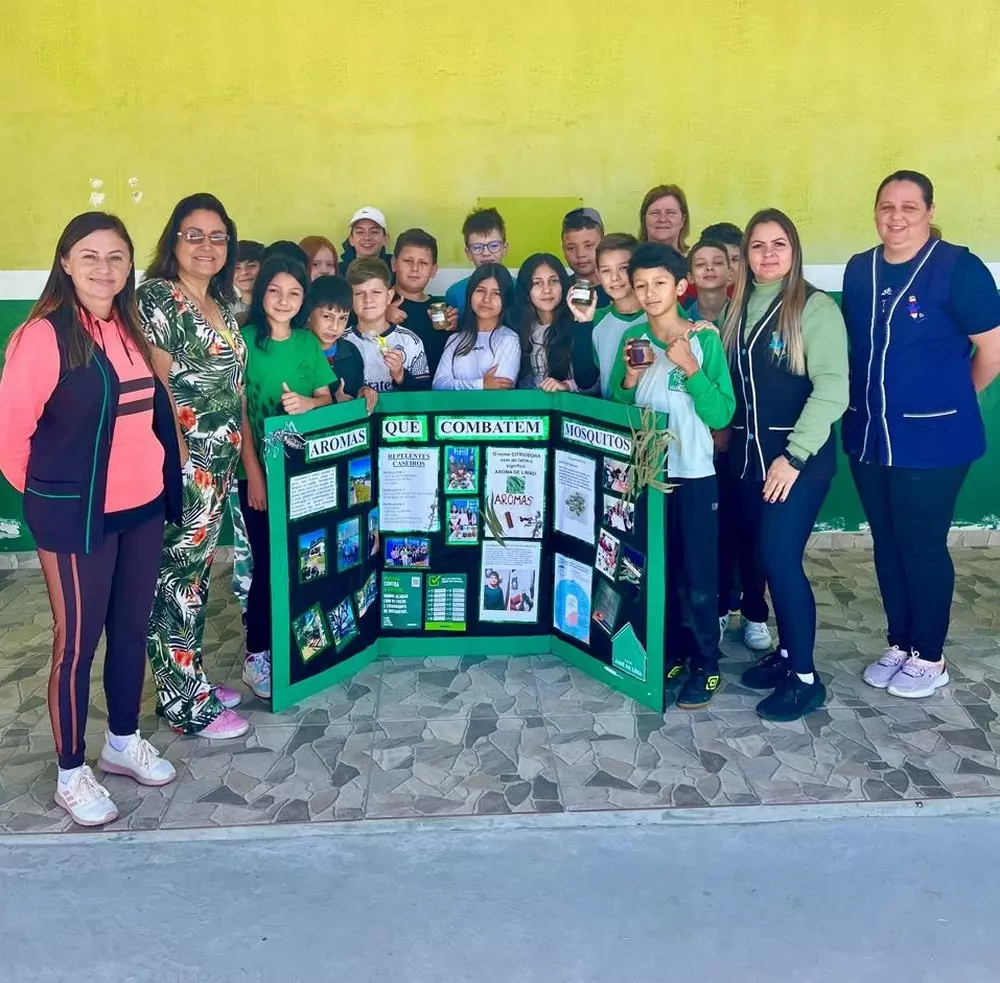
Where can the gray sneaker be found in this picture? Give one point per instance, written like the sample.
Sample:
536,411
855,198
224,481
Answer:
879,674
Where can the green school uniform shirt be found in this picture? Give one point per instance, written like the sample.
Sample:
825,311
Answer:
695,405
298,361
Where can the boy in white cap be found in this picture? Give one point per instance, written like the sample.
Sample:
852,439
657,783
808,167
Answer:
368,237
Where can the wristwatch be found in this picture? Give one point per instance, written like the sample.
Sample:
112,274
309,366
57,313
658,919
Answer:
795,462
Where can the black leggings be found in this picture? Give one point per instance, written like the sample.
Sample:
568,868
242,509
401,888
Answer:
780,531
258,614
909,512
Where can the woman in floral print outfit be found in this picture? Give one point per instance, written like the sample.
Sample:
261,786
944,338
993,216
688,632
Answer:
198,353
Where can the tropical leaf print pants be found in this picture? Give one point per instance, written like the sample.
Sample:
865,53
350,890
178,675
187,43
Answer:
242,557
177,624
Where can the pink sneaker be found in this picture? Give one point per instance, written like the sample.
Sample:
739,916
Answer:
228,696
918,678
880,673
226,726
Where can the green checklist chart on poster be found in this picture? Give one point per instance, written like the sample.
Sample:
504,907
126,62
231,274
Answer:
464,524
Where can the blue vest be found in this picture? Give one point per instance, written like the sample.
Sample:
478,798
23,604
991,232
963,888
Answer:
769,402
68,463
912,403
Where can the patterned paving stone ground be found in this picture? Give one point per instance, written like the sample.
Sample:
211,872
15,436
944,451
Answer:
488,736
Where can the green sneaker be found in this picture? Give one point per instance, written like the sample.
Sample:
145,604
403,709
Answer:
673,673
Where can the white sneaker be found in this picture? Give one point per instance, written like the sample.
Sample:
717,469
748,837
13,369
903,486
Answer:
140,760
756,636
86,800
257,674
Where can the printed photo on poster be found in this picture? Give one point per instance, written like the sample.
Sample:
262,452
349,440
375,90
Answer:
461,470
515,490
408,489
574,491
633,567
343,624
312,556
509,581
310,632
571,598
606,605
619,514
373,538
365,597
407,551
312,492
463,522
616,475
348,544
608,550
359,481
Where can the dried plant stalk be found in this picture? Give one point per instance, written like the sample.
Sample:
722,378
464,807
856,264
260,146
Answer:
649,455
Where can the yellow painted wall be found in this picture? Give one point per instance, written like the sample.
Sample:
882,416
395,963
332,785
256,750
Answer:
296,113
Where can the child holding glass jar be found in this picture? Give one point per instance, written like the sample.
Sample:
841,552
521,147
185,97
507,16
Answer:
671,366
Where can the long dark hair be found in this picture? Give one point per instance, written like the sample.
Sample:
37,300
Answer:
59,297
793,293
559,336
164,266
468,323
269,269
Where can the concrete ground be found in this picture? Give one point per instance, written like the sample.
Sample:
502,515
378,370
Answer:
852,900
440,737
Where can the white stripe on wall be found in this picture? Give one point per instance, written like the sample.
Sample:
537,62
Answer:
27,284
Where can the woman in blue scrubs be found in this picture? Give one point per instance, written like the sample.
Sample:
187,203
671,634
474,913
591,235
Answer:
923,322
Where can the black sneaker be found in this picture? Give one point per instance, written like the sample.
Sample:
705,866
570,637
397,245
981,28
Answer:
673,671
793,699
699,689
766,673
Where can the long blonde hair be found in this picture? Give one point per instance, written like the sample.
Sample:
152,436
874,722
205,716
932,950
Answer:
793,294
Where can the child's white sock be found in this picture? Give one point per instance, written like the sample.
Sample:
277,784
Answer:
807,677
119,743
66,775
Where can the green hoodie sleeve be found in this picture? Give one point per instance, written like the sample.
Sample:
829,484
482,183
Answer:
711,389
615,390
824,339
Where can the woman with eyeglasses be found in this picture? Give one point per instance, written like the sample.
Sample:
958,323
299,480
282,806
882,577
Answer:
197,351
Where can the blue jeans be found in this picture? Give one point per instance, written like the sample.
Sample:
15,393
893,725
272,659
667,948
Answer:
780,530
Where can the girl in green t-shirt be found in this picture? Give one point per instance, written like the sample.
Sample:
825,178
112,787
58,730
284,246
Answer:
286,372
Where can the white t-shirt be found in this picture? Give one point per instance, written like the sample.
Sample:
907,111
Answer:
377,375
500,347
607,337
663,387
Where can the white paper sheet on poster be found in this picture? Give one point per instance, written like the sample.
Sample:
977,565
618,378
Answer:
574,490
312,492
509,581
408,489
515,490
571,598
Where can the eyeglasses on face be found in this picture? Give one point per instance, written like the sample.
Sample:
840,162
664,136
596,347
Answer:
196,236
492,247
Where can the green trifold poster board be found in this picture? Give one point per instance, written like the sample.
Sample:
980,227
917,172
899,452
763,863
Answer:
458,524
